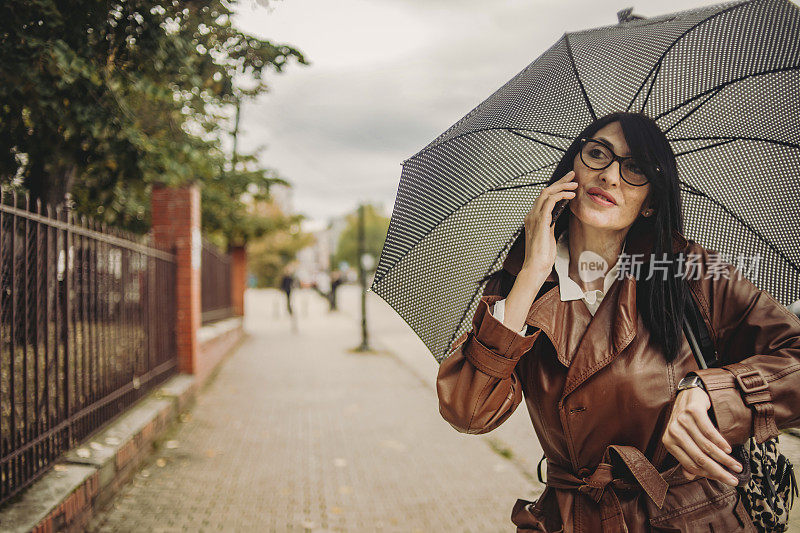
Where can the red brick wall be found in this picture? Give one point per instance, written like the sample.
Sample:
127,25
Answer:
176,223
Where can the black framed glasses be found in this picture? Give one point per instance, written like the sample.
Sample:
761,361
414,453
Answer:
597,155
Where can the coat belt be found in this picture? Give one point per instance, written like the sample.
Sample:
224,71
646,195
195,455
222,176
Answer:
600,484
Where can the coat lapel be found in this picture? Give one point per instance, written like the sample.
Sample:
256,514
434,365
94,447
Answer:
558,320
610,331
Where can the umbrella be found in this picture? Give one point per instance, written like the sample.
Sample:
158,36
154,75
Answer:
721,81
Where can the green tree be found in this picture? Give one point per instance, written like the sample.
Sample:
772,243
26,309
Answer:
103,99
376,226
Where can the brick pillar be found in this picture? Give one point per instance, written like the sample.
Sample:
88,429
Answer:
176,223
238,278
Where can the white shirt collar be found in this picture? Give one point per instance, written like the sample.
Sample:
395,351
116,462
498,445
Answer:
569,288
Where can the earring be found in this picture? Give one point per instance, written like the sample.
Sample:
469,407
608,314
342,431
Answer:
647,212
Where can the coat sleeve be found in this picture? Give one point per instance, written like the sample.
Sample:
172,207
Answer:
477,385
755,389
499,312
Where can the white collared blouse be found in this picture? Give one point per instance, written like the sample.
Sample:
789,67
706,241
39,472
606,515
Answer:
569,288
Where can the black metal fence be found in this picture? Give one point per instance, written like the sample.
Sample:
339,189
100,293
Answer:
86,329
215,284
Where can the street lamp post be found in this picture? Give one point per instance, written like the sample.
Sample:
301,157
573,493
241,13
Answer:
362,276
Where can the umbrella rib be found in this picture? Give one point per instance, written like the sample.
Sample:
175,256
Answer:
535,140
578,78
730,139
517,186
652,75
688,187
691,111
718,89
506,128
551,134
500,188
697,192
657,67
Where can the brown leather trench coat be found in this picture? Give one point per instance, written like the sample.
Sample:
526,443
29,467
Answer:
599,395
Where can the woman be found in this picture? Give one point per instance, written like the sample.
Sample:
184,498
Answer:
600,361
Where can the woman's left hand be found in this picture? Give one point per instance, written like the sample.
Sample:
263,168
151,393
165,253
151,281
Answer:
692,439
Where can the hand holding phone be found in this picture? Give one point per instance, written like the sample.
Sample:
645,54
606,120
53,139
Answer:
540,242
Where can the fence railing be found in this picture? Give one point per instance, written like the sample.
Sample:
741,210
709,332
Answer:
215,284
86,329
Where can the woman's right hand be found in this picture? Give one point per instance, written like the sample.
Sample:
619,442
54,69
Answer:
540,251
540,240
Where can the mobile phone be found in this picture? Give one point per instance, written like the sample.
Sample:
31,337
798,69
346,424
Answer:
558,209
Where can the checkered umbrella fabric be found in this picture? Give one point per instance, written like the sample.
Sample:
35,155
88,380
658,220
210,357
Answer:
721,81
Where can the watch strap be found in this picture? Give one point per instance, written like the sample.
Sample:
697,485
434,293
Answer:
691,380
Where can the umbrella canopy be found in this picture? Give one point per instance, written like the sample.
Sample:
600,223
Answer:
721,81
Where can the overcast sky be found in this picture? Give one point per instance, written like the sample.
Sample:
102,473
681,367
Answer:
387,77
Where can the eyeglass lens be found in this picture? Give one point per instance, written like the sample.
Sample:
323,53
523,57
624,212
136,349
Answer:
597,156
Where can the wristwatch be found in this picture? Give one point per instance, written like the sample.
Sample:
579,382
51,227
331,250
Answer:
691,380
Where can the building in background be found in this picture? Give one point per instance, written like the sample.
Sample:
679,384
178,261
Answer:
314,262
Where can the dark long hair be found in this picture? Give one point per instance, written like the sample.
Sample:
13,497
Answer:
660,301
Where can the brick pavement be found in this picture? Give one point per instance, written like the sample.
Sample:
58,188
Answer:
297,434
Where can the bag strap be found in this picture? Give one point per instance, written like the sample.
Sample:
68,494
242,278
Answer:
701,344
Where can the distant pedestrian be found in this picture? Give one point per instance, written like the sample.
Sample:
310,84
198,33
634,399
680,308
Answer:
338,279
287,284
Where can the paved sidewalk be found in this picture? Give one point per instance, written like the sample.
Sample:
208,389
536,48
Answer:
297,434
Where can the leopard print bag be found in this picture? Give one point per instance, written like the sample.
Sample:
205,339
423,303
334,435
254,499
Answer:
769,490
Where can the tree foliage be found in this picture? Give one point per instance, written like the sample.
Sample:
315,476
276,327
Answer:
102,99
376,226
